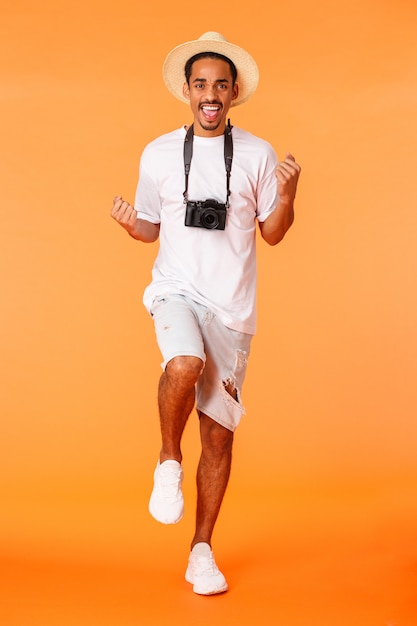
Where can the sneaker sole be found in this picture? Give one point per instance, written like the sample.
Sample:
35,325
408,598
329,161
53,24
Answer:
210,593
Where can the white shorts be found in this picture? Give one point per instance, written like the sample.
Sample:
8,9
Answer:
186,328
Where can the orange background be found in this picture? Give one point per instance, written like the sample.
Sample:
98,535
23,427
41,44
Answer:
318,526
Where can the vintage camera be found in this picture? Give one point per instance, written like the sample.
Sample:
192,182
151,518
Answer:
206,214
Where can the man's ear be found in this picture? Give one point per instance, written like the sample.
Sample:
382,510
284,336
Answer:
186,90
235,91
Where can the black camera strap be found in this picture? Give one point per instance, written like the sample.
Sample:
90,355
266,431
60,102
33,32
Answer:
228,158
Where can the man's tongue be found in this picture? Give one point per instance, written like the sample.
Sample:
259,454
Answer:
210,113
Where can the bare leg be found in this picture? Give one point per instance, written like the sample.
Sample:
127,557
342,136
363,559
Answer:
212,476
176,397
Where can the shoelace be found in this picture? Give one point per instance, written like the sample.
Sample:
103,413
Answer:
206,564
169,482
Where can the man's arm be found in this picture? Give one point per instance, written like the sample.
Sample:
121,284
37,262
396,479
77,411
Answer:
126,216
276,225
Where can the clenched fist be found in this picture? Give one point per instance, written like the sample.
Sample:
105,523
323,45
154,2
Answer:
125,215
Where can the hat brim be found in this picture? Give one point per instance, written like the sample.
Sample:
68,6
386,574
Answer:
174,64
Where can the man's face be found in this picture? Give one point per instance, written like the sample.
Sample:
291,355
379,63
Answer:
210,93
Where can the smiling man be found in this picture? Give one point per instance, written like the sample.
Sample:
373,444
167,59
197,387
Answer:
202,190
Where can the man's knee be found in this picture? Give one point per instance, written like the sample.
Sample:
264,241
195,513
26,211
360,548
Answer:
184,369
215,437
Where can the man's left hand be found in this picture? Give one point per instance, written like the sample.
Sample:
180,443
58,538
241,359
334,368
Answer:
287,173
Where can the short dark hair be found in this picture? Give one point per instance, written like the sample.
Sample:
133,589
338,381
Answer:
209,55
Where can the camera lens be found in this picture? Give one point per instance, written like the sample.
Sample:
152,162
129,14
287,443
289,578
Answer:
209,218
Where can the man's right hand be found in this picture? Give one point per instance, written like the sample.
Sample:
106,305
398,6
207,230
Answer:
125,215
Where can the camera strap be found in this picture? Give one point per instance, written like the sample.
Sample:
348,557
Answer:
228,158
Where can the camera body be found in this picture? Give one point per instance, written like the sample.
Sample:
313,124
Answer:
206,214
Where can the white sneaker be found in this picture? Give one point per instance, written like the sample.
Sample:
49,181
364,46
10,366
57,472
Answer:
203,573
166,504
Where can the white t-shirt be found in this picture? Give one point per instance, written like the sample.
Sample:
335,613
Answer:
215,267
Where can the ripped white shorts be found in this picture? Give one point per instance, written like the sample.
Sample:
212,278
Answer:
186,328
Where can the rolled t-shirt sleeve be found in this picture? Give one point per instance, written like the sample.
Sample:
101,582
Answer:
267,191
147,199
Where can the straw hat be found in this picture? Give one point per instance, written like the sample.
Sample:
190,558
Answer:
247,70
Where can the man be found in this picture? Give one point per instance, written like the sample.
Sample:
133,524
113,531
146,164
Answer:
201,190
